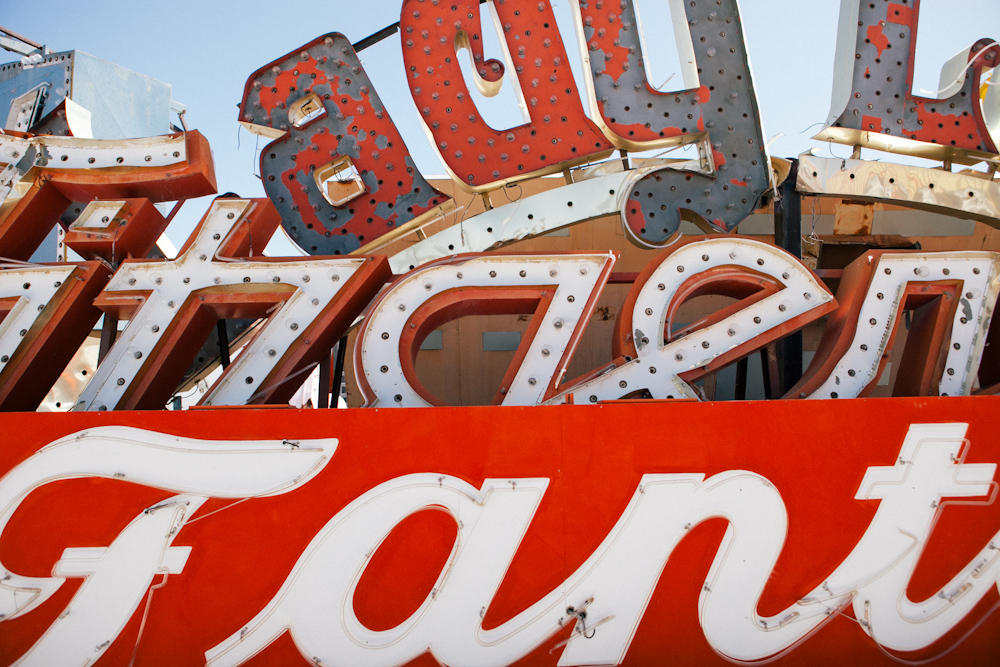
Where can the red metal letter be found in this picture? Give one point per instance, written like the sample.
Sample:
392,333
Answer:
46,312
721,112
479,157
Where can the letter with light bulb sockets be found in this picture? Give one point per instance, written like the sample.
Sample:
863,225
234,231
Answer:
63,170
734,170
777,295
47,312
557,133
338,170
172,305
953,296
561,292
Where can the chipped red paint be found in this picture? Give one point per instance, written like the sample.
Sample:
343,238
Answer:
611,39
962,129
877,38
721,112
882,98
353,124
872,123
899,14
480,156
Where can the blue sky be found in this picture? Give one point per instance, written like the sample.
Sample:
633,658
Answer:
207,49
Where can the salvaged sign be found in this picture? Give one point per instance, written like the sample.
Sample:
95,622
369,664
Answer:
614,518
643,536
309,304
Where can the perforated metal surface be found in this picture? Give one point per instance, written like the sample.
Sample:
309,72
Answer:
881,101
480,157
722,111
351,124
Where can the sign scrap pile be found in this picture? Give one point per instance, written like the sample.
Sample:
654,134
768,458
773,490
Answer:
612,518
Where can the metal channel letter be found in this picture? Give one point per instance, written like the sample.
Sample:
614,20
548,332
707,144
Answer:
873,101
721,114
479,157
338,171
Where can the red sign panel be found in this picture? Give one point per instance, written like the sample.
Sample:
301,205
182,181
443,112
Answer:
626,533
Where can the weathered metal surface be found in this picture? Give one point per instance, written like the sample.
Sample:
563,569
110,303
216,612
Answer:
878,109
328,121
172,306
873,293
121,103
560,291
556,133
63,170
47,312
721,113
777,295
975,197
124,104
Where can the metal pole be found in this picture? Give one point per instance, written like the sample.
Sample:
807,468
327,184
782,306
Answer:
324,381
338,369
769,367
223,334
788,235
109,332
20,38
741,379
